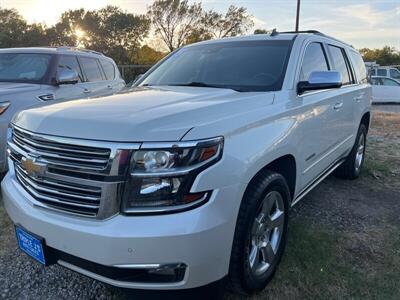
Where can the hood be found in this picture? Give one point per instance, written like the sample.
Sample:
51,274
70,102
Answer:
141,114
7,88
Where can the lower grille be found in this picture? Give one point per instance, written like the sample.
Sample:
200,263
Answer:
61,195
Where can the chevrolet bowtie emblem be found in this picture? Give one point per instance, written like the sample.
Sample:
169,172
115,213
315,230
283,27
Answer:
33,167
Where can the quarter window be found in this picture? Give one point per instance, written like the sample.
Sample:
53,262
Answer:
108,68
69,62
314,60
91,69
359,67
339,63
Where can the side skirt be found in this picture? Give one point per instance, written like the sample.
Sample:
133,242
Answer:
317,181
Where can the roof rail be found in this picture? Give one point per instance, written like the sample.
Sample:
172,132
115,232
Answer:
274,32
79,49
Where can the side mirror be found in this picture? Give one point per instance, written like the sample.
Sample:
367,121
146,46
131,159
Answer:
320,80
67,76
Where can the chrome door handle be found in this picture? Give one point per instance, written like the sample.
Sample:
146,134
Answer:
358,98
86,91
110,87
338,106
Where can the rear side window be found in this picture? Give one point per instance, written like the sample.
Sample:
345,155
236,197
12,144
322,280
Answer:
108,68
314,60
394,73
359,67
91,69
339,63
69,62
381,72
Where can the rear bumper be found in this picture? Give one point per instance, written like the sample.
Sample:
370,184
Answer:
200,239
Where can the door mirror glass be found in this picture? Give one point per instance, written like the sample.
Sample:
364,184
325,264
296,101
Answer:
320,80
67,76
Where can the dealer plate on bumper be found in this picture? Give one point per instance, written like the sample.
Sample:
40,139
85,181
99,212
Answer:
30,244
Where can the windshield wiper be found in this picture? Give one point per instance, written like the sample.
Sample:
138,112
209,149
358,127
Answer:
203,84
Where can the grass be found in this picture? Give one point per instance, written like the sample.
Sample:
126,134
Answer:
321,263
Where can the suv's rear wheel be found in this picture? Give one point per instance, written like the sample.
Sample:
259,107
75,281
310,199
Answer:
351,168
260,234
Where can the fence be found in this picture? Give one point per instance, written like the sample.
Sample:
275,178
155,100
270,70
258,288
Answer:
129,72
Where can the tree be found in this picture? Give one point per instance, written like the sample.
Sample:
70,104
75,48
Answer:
260,31
236,21
385,56
175,20
147,55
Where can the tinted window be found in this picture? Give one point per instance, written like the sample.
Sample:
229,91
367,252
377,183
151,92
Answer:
243,66
314,60
376,81
108,68
394,73
339,63
23,67
69,62
359,67
91,68
373,72
381,72
389,82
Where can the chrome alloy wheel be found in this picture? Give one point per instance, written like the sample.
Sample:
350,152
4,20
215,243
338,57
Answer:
360,153
266,233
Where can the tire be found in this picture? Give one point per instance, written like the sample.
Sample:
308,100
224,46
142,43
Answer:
250,272
352,166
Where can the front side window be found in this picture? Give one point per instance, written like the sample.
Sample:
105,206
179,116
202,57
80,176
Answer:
394,73
390,82
382,72
69,62
359,66
376,81
339,63
108,68
244,66
24,67
91,69
314,60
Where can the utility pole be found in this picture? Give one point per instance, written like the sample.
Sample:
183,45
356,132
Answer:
298,15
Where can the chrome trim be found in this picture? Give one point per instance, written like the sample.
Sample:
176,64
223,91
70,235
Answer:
140,266
176,208
180,144
123,284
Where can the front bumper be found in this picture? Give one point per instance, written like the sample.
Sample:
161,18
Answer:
201,239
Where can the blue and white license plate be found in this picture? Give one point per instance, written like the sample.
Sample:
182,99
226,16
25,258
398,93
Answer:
31,245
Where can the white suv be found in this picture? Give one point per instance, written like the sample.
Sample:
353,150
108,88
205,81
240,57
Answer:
188,178
31,77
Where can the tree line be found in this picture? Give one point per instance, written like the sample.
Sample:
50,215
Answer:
126,37
123,35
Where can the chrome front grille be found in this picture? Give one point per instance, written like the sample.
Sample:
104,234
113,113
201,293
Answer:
62,154
76,176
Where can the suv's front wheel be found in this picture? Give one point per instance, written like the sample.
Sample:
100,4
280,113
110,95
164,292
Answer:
260,234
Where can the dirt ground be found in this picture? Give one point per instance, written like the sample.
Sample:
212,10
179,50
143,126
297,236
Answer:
343,240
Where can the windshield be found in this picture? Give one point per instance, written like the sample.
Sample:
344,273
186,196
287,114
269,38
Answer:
243,66
23,67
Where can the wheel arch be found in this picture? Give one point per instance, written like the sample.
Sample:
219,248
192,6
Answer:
284,165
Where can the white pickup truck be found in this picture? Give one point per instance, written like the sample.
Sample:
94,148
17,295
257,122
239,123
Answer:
188,178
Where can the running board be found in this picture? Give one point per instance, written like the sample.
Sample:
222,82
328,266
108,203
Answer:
310,187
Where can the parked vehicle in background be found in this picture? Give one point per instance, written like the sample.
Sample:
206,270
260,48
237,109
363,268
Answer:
31,77
385,90
188,177
390,72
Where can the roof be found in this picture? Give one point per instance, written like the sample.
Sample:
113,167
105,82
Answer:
52,50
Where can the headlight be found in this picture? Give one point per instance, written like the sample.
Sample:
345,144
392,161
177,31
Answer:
161,175
4,106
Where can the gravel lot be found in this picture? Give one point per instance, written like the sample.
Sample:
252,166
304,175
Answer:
343,242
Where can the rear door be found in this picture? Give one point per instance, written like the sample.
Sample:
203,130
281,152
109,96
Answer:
390,90
114,82
95,81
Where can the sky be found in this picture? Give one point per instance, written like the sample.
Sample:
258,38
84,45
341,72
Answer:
368,23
